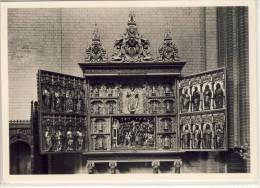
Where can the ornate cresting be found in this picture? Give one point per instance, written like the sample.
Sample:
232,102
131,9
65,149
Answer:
96,53
132,47
168,51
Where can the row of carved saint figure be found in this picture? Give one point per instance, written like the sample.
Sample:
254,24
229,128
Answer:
195,100
211,136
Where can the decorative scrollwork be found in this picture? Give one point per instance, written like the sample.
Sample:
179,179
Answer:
95,53
132,47
168,51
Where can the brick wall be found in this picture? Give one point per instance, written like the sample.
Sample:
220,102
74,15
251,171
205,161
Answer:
55,40
34,42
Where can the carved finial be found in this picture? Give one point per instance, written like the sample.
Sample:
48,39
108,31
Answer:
96,35
95,53
168,52
167,34
131,19
132,47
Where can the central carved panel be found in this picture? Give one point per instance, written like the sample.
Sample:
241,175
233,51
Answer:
133,114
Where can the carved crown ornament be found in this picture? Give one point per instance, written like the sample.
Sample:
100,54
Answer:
96,53
132,47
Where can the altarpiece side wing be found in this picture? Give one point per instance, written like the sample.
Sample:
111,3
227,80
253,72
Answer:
202,111
62,109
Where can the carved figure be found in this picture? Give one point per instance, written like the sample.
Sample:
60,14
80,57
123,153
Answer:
168,106
167,142
96,92
103,91
69,102
57,100
97,107
195,99
110,108
219,136
58,140
207,97
48,139
154,106
196,137
100,126
186,137
46,98
100,143
168,91
167,125
132,47
154,91
80,101
185,101
133,100
219,96
69,139
110,91
207,137
79,136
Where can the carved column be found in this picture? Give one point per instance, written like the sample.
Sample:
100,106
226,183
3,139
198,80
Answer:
90,167
112,166
177,166
156,166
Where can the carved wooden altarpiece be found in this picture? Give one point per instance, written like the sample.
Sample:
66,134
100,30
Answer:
132,105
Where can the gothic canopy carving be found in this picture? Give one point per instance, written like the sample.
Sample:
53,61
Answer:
132,47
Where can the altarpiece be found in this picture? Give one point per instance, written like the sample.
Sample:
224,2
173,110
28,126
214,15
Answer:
132,107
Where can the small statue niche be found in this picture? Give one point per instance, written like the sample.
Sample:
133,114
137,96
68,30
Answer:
207,137
166,125
100,143
111,107
154,106
110,91
168,91
100,125
153,91
219,96
96,91
167,142
168,106
186,137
